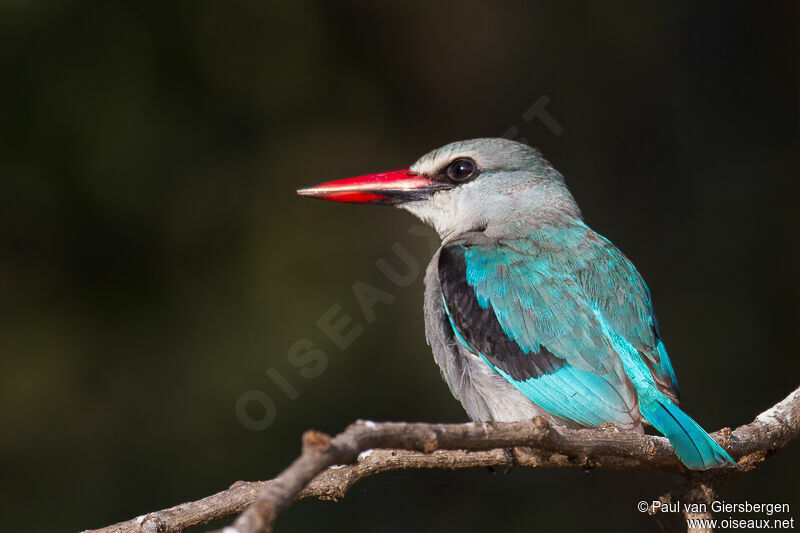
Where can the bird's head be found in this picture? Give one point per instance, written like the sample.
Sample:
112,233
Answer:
476,185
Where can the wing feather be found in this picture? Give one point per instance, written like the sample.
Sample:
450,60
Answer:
529,307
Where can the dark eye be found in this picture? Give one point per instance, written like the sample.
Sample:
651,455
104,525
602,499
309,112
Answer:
461,169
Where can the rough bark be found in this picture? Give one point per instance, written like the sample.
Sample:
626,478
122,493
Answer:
328,467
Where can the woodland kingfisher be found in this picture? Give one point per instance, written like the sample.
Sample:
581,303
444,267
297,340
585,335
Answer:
528,311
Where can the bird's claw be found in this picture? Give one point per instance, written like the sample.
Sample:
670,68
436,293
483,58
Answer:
510,460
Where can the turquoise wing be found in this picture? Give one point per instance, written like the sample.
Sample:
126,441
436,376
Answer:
537,308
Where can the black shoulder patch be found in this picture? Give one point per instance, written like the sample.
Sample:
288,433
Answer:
480,327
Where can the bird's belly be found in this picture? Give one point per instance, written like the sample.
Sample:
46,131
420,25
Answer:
488,396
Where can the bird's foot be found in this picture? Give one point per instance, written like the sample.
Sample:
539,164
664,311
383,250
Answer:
510,460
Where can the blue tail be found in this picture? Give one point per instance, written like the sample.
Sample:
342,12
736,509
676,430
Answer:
693,446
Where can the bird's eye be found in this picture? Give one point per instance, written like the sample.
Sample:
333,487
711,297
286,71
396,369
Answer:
461,169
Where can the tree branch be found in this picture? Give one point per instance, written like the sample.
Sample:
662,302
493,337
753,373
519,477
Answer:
398,446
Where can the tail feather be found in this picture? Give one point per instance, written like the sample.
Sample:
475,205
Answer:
693,446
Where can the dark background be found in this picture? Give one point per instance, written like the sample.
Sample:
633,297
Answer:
155,261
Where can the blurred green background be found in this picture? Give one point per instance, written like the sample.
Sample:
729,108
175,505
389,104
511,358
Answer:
155,262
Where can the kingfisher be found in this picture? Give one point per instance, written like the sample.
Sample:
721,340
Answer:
528,311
